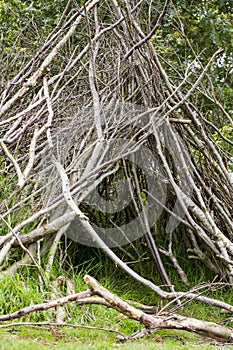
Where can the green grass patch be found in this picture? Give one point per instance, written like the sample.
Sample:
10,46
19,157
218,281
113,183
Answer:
27,338
23,290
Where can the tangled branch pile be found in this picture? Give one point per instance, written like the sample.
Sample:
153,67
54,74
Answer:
96,80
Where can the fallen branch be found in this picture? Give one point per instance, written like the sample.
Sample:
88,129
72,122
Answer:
45,306
151,322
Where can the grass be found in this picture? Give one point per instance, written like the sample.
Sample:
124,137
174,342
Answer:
23,290
69,339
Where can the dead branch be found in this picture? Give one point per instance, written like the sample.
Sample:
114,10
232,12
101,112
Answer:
208,329
46,306
36,75
151,322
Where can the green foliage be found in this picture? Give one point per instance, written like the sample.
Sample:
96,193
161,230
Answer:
191,33
208,23
30,18
227,132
